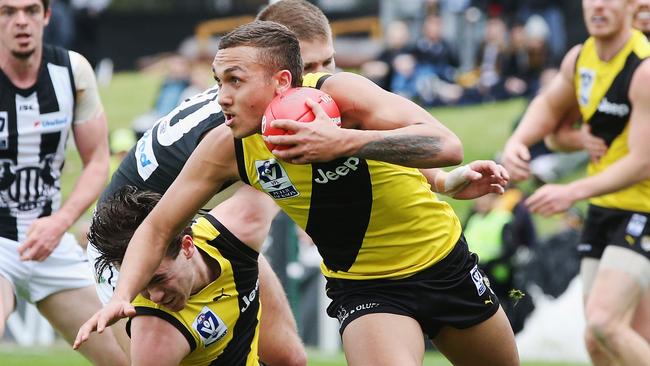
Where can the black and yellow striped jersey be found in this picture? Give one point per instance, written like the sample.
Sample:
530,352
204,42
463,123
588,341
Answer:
369,219
220,322
602,89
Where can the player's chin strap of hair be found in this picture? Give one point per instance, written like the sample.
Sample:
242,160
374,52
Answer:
451,182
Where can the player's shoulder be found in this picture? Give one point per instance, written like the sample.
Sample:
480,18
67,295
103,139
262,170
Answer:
640,81
77,60
569,62
571,56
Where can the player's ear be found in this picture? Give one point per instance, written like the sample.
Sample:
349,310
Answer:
282,80
47,14
187,246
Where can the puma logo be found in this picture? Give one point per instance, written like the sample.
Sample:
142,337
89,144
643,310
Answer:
216,298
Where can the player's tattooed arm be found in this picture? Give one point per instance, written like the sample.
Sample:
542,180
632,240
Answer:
402,149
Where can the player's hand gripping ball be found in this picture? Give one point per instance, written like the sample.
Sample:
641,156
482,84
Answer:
293,105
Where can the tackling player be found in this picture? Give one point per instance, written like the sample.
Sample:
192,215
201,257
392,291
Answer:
204,295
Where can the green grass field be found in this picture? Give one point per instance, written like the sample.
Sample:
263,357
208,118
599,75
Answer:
483,130
61,356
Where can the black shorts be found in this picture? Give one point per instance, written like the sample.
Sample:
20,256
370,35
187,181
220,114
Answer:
452,292
608,226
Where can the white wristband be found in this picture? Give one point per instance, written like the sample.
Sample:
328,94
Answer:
454,181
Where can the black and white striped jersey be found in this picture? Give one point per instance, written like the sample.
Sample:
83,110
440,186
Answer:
34,127
159,156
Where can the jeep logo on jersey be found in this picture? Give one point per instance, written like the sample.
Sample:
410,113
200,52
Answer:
209,326
351,164
274,179
616,109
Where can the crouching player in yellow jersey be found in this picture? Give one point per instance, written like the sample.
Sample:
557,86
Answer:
202,304
395,261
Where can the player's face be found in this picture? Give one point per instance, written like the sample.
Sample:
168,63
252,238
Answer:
606,19
246,87
171,285
317,56
21,26
641,20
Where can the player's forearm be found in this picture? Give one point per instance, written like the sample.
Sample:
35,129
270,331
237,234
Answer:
413,146
565,140
143,256
539,121
86,190
624,173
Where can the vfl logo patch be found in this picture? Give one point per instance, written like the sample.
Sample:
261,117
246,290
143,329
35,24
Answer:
209,326
274,179
477,277
636,225
587,79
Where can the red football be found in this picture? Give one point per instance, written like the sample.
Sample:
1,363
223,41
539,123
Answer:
292,105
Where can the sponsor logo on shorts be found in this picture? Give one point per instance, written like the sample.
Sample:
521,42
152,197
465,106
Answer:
274,179
342,313
645,243
584,248
477,277
636,225
209,326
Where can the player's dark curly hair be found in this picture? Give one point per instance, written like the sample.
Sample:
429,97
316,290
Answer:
46,4
115,221
279,48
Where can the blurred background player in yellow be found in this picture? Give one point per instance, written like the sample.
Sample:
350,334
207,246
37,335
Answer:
605,79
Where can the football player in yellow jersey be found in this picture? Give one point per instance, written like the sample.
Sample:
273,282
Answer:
388,301
605,80
202,304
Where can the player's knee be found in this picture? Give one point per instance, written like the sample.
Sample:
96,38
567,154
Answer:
592,345
603,331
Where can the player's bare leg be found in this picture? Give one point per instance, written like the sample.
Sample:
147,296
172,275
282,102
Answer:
68,310
279,344
383,339
609,312
491,342
641,319
7,302
123,339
